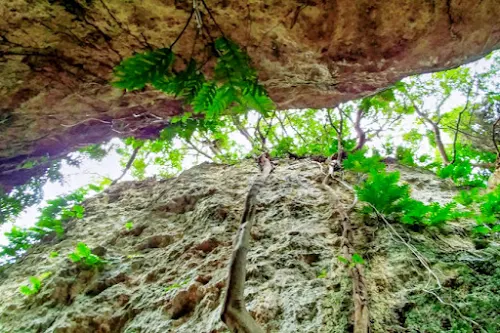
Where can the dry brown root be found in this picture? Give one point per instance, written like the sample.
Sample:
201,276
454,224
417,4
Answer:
234,313
359,290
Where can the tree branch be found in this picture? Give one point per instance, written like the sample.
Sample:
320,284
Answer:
330,120
127,167
497,123
243,131
459,120
198,150
435,129
340,148
359,131
295,130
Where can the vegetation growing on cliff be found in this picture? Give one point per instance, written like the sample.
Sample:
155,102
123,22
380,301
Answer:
228,117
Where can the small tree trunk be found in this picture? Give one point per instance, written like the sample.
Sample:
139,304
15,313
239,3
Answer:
439,143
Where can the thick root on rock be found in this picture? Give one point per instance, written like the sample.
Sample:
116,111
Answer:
359,291
234,314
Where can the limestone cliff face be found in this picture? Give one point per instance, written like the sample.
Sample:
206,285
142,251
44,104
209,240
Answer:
56,58
168,273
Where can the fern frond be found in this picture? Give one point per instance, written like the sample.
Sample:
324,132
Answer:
188,82
205,97
260,103
185,84
225,96
143,68
233,63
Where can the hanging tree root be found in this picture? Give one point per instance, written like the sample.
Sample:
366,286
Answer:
356,272
234,313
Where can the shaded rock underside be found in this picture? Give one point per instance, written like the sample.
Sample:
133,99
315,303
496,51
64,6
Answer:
167,273
56,59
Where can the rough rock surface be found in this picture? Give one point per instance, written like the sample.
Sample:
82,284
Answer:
56,57
168,272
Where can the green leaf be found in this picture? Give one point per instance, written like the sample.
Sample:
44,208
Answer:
357,259
26,290
343,260
82,250
481,229
74,257
205,97
35,282
323,274
224,97
79,210
261,103
358,162
148,67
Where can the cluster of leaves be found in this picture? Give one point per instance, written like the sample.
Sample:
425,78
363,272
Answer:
31,193
129,225
83,255
234,84
382,192
356,259
484,208
95,152
462,170
51,220
35,284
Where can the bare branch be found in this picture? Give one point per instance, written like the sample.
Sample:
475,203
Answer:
270,125
440,105
435,129
459,120
261,136
330,120
243,131
282,125
295,130
198,150
127,166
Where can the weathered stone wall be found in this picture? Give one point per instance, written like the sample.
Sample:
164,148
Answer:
182,233
57,56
